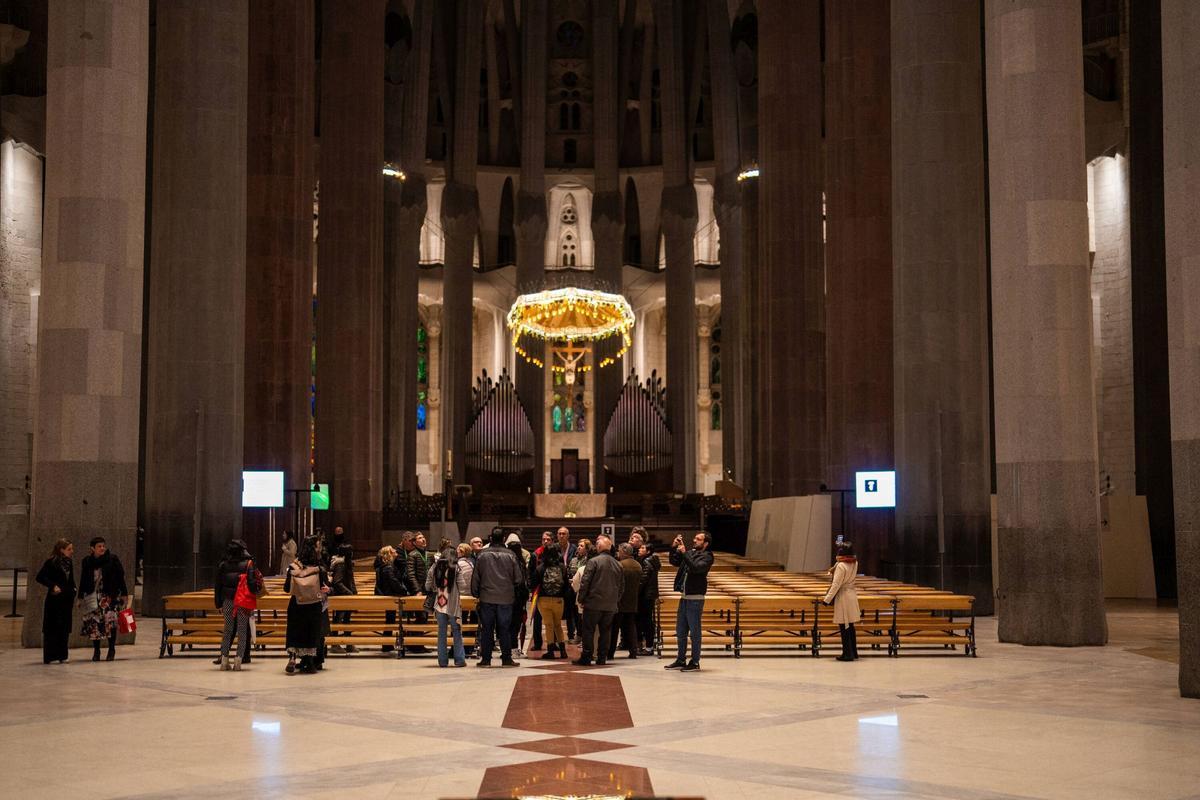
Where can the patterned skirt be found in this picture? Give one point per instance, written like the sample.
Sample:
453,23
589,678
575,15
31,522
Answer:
102,623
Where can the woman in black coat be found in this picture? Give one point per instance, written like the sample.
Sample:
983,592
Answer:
308,584
102,594
58,576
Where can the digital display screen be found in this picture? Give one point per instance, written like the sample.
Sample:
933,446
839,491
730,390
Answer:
319,499
262,489
875,489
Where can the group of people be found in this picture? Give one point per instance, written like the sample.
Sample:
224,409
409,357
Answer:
604,595
101,596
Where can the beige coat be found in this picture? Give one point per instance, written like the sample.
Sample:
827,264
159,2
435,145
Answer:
842,593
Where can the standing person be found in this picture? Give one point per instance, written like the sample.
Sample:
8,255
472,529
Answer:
648,599
600,588
442,581
476,547
550,583
341,580
844,598
521,593
58,576
494,581
530,567
388,584
626,618
102,595
464,571
402,555
418,563
691,580
567,551
575,571
308,584
287,551
229,571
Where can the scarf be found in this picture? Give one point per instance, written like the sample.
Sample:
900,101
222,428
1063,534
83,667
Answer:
847,559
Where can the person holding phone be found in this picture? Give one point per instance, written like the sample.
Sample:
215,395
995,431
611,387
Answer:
691,581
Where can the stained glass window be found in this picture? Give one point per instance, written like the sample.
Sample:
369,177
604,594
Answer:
422,377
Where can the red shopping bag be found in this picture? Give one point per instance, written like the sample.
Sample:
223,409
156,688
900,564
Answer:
125,621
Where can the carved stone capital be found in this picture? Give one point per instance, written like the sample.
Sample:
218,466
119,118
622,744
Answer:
433,398
704,399
680,212
608,219
703,331
460,211
530,220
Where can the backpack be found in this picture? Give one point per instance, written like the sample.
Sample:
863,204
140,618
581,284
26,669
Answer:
553,580
306,585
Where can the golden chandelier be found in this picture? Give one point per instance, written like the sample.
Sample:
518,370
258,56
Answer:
571,315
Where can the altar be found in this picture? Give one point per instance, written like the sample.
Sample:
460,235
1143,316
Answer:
557,506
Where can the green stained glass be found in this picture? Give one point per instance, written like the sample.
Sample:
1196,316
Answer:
422,370
421,334
558,419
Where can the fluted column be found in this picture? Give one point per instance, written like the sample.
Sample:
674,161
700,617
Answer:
791,382
678,218
405,205
1046,482
460,221
195,396
280,178
85,443
727,207
350,269
942,425
608,219
1181,184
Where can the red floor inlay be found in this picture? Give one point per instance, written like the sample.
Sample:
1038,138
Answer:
566,746
568,703
566,776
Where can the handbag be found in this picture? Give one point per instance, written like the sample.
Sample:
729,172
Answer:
243,597
90,603
306,585
125,621
258,586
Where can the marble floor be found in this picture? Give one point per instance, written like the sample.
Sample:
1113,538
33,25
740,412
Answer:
1016,722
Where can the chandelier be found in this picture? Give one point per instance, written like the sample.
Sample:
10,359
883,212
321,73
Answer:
573,315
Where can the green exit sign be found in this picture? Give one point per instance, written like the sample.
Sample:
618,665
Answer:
319,499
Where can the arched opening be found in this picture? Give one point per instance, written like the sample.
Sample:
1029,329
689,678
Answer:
564,112
633,225
506,244
576,117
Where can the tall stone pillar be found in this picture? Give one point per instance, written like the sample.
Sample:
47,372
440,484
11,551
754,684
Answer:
195,396
727,207
460,221
1181,182
704,399
405,205
754,332
678,218
85,443
858,257
280,178
939,280
791,381
350,269
1051,589
531,222
608,218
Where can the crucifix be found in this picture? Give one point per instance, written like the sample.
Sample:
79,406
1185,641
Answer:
570,355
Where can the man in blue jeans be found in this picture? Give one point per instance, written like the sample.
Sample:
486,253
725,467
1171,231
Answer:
494,581
691,580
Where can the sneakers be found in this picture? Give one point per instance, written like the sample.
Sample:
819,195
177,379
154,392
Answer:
690,667
675,665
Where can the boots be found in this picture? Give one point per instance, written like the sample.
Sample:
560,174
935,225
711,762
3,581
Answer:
112,649
224,663
853,635
562,650
95,651
848,643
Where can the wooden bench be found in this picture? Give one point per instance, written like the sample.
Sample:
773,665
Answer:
718,622
936,619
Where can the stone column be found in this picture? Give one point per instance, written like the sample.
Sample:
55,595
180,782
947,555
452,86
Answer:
1051,589
350,269
608,218
858,256
753,332
460,221
280,177
405,206
791,382
85,447
704,398
678,218
195,395
1181,179
939,280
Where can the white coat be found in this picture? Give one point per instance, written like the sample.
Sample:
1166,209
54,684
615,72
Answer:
842,593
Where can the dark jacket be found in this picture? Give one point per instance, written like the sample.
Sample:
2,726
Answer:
651,566
401,567
632,572
602,583
497,573
112,576
387,582
692,575
225,582
417,567
60,573
341,576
